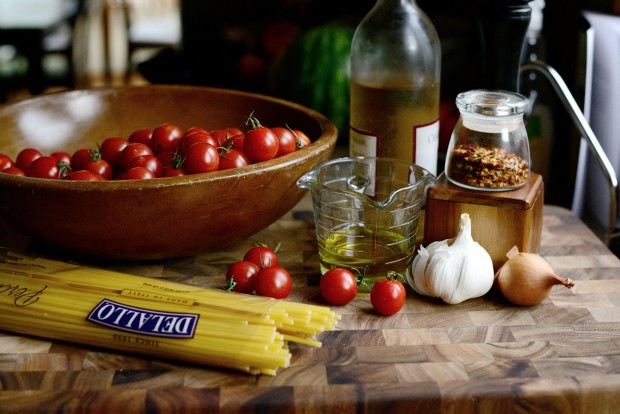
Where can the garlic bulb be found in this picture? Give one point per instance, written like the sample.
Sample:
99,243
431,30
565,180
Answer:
454,269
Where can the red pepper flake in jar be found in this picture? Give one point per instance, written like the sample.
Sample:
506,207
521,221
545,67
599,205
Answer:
489,148
478,166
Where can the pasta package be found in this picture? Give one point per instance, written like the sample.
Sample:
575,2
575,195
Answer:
65,301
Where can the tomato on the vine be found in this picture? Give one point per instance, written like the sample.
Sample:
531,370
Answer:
338,286
274,282
262,256
240,276
388,295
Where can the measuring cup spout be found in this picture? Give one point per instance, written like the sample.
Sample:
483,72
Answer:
308,180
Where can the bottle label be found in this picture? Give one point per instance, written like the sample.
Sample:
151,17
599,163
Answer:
363,144
424,146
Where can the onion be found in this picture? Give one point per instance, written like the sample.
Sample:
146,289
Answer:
527,278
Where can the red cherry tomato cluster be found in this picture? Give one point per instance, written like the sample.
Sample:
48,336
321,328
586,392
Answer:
260,272
338,286
165,151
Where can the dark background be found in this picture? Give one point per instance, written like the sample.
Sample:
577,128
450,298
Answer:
224,45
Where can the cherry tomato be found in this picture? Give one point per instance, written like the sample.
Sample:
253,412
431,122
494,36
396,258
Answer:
262,256
166,158
95,163
338,286
287,141
79,159
225,137
388,295
232,158
62,156
150,162
6,162
302,139
260,144
99,166
242,272
170,171
112,149
201,158
44,167
195,129
132,151
84,175
142,136
14,171
189,139
165,138
274,282
25,157
236,141
137,173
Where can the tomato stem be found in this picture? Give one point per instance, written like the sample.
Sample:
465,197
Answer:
252,121
230,286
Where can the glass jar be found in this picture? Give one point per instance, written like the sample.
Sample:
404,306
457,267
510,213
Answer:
489,148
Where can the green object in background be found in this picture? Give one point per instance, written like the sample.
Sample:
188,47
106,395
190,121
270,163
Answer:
314,72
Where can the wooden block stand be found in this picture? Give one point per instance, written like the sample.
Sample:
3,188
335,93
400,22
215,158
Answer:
500,220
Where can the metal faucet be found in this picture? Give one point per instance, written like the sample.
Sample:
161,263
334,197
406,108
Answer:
579,120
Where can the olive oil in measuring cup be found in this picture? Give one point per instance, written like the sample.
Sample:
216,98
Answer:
371,253
366,213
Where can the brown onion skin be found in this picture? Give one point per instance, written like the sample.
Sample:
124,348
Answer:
526,279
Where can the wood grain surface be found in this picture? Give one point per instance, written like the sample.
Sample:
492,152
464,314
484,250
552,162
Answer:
481,356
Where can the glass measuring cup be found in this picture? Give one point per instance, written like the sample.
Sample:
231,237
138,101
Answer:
366,213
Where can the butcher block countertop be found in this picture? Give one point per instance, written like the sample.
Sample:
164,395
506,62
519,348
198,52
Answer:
480,356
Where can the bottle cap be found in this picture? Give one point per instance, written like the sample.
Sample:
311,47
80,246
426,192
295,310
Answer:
536,21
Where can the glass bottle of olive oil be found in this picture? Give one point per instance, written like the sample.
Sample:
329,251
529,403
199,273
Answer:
395,83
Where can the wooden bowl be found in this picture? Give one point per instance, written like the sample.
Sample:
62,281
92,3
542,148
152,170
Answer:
158,218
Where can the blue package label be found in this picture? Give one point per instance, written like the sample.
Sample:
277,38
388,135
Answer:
144,321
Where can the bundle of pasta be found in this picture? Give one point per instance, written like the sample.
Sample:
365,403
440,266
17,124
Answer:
66,301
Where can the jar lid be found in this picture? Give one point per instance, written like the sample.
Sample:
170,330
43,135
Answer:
492,102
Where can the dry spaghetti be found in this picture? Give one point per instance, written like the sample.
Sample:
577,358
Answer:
69,302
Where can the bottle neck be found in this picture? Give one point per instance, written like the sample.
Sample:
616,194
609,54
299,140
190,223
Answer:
393,3
503,25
